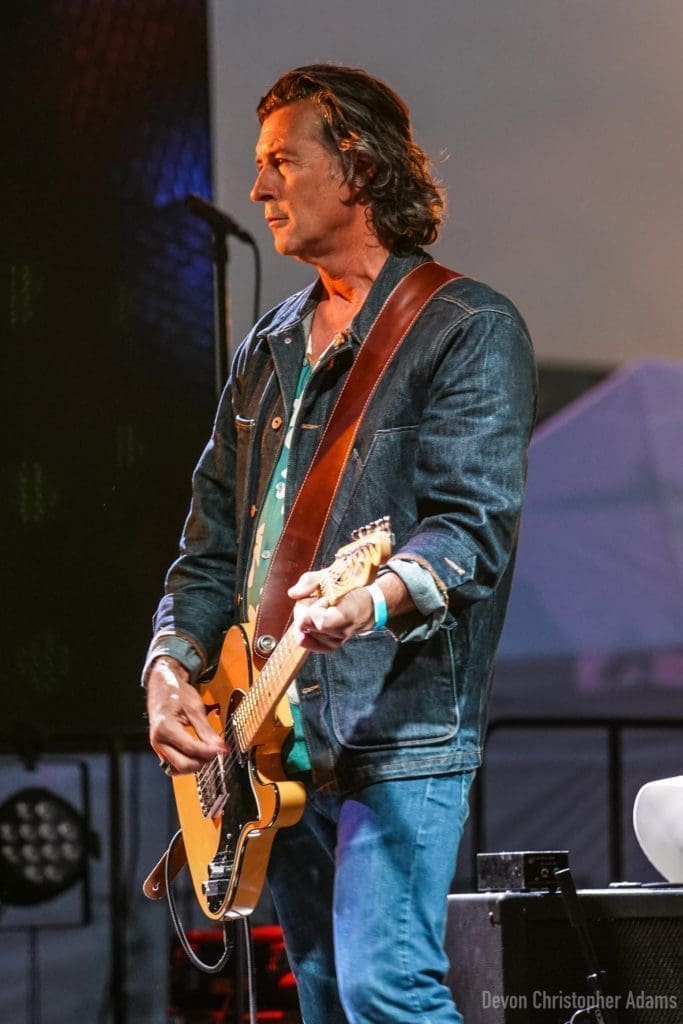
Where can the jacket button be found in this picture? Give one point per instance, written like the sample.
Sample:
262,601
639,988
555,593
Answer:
276,422
252,511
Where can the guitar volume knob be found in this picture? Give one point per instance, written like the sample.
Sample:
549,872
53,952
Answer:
266,644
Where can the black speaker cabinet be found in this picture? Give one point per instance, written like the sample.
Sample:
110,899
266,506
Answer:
515,959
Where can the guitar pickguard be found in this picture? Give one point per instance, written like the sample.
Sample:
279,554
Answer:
233,788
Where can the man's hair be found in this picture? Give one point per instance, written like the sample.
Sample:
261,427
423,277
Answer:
368,126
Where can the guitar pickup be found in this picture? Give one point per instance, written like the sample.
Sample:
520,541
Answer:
212,791
220,870
214,809
215,888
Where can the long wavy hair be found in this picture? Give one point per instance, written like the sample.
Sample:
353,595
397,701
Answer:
368,126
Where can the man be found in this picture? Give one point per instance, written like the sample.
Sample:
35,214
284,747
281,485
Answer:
389,721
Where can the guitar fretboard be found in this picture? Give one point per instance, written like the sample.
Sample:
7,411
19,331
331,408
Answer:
268,690
352,568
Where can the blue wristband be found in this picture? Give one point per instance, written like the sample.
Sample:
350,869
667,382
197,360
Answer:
379,605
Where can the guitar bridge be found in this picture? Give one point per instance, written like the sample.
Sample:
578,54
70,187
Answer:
216,885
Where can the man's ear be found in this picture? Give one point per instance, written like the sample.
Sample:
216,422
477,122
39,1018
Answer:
363,174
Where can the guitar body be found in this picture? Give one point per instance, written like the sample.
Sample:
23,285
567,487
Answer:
230,811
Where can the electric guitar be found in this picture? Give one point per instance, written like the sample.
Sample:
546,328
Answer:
230,810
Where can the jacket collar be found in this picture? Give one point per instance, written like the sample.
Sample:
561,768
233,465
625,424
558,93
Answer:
293,310
394,270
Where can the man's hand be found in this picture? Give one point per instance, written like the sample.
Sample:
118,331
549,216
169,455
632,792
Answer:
172,704
321,627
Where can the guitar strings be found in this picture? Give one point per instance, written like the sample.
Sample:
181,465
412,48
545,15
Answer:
256,700
211,777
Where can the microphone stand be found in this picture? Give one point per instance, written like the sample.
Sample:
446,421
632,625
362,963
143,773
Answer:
599,1012
222,314
222,225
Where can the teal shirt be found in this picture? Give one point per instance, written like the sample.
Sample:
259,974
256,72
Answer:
268,530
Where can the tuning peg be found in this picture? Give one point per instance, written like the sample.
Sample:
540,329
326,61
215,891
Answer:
383,525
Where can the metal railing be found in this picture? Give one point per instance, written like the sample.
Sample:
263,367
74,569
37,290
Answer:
613,729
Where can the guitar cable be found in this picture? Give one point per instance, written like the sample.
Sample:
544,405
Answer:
228,943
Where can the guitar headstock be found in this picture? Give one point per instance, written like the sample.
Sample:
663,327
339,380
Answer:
356,564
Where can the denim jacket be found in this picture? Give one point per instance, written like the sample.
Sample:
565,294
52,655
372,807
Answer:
442,451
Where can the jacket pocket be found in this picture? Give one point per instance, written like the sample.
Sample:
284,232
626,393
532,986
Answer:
384,694
364,494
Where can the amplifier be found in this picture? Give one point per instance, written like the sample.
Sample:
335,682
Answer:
515,959
503,872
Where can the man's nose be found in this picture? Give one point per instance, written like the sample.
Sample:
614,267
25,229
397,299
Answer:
262,189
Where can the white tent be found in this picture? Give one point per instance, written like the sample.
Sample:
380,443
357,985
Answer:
595,626
600,565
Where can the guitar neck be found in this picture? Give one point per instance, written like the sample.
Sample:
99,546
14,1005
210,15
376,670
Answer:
354,566
269,689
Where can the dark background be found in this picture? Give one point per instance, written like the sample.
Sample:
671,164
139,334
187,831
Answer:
108,293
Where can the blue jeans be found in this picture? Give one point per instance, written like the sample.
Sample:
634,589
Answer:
360,886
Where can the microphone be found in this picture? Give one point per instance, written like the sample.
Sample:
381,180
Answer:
218,220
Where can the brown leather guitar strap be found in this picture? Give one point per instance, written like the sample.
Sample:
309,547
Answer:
303,530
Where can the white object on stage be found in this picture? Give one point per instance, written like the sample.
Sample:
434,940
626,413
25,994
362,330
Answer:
658,824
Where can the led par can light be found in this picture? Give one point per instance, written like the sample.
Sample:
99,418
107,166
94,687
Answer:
44,847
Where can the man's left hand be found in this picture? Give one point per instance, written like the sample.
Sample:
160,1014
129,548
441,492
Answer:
321,627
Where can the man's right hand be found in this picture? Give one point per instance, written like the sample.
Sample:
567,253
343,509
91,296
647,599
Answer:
172,704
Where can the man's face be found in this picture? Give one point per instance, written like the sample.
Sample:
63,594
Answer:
300,183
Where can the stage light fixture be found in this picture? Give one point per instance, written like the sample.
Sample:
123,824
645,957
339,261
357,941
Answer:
44,847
